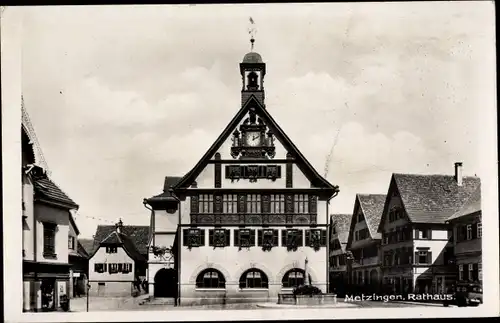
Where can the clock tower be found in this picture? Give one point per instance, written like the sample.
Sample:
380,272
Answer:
252,70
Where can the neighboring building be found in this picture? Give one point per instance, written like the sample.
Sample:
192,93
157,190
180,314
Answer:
468,232
118,265
79,262
46,226
162,267
251,212
364,242
417,248
339,233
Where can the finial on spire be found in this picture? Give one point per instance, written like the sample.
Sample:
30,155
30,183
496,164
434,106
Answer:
252,31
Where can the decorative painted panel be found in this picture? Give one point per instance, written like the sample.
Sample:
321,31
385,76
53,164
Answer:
218,203
252,172
218,172
289,171
253,219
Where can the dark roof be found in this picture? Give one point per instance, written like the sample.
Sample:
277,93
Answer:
167,195
81,250
87,245
252,57
316,179
473,205
433,198
139,235
48,190
125,242
372,206
342,223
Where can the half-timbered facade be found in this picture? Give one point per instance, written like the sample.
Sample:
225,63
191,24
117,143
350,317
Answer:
339,233
251,213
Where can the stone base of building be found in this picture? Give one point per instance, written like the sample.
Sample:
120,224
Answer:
112,289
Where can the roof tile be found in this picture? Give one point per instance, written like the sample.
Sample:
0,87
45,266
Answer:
433,198
372,206
46,188
139,235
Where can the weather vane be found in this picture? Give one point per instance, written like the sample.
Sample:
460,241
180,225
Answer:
252,31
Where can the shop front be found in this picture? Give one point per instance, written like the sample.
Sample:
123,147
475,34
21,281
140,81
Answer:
46,286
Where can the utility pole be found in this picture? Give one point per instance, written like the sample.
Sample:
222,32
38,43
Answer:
88,289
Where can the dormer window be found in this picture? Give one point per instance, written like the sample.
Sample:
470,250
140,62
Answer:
111,249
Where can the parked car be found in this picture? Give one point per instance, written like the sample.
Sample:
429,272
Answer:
466,294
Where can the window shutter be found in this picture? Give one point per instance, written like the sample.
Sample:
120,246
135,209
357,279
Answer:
275,238
202,237
283,237
308,238
429,234
416,258
252,237
300,235
185,236
259,237
120,267
265,203
475,270
323,238
429,257
474,230
416,234
465,272
463,229
236,238
228,237
242,203
96,268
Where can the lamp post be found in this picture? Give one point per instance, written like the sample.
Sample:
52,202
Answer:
349,259
88,289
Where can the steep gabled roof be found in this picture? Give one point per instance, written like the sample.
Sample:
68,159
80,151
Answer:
433,198
342,223
136,233
252,102
120,239
371,206
473,205
48,190
87,245
81,250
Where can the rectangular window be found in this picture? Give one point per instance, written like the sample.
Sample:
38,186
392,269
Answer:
301,203
126,268
460,272
469,231
113,268
244,238
49,239
193,238
423,257
277,203
471,272
219,238
316,237
424,234
111,249
479,230
268,236
206,203
291,238
253,203
71,243
230,203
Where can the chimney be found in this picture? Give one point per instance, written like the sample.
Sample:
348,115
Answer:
458,173
119,226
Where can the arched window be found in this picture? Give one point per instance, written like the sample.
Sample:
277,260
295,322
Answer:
294,278
254,278
210,278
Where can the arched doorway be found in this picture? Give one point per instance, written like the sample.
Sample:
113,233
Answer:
166,283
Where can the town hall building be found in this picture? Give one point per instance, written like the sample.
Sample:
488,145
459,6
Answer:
249,221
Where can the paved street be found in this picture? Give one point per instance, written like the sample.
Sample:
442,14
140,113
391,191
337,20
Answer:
133,304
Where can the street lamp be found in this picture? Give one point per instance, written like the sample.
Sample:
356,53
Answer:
88,289
349,260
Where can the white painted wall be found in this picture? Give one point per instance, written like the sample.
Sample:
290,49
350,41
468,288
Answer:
44,213
28,230
101,257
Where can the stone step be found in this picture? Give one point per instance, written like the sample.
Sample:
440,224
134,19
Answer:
161,301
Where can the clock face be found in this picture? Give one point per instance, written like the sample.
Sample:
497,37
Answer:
253,139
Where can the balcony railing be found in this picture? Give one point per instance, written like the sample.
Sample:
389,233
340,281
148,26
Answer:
253,218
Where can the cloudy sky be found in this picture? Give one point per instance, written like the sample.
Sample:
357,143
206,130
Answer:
122,96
